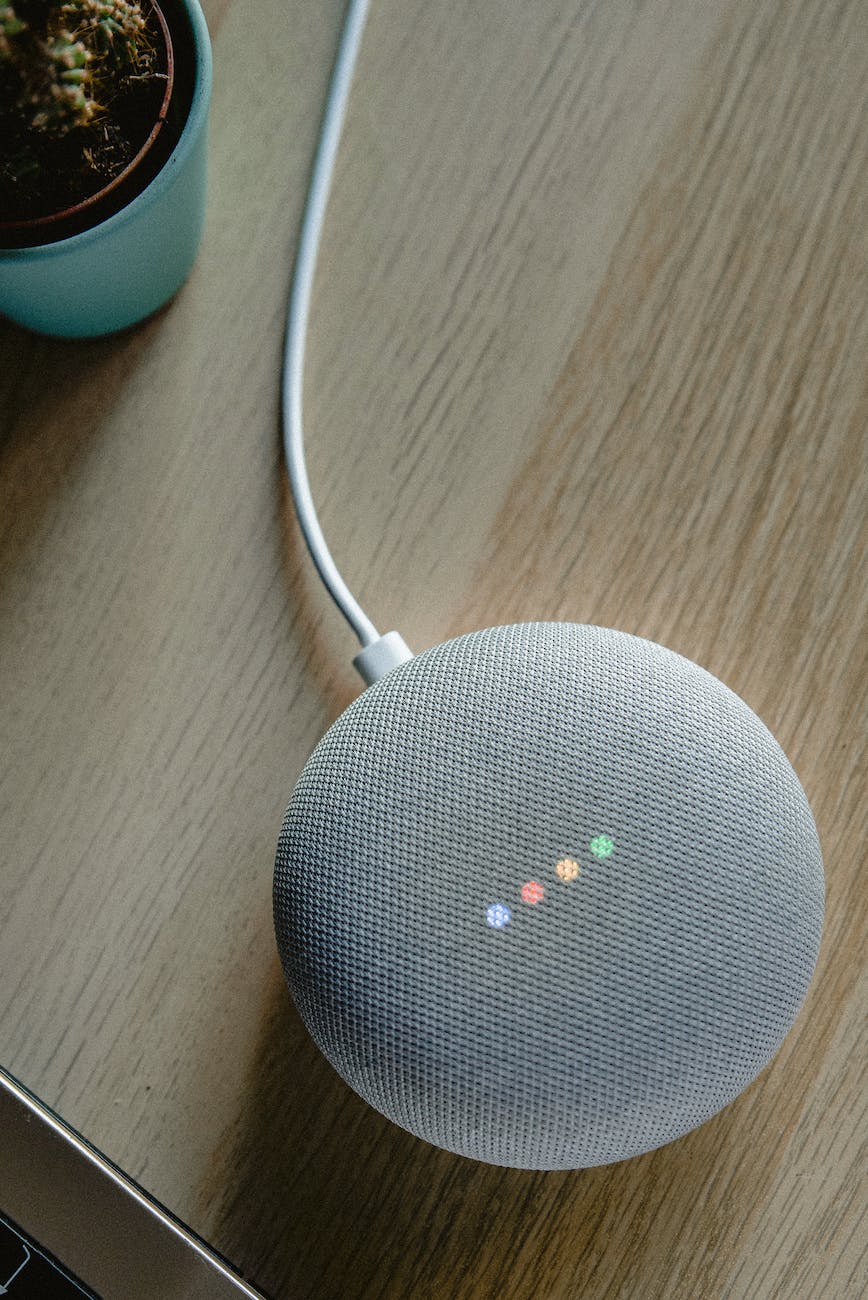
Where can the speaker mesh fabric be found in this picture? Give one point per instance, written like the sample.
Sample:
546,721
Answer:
627,1005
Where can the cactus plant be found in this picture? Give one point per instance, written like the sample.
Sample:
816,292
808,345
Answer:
81,84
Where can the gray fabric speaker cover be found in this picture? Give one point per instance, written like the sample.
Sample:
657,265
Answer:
548,895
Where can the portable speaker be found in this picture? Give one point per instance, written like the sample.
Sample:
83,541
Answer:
548,895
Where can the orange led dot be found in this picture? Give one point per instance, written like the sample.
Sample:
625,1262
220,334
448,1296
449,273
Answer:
532,892
567,869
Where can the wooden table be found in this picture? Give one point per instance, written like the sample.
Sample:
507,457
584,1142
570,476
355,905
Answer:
589,342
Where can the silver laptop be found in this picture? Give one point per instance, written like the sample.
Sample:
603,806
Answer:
72,1225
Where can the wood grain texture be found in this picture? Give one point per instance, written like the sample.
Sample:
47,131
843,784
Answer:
589,342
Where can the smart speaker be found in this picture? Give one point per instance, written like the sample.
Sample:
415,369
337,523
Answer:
548,895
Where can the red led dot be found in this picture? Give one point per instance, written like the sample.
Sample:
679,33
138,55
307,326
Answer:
532,892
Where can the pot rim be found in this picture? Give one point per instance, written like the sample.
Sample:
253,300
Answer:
195,123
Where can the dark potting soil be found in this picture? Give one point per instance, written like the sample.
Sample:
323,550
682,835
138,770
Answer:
44,173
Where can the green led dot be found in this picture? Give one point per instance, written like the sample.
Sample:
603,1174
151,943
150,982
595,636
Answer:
601,846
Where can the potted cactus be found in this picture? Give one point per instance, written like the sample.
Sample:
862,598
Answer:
103,120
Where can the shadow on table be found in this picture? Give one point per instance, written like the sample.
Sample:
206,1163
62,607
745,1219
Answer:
54,394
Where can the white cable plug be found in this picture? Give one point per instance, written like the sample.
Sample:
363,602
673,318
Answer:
381,656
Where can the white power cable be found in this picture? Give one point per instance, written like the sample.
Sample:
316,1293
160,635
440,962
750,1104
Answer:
299,310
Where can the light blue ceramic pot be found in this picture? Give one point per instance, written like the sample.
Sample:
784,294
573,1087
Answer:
127,266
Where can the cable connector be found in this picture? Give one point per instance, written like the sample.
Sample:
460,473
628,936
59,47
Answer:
381,656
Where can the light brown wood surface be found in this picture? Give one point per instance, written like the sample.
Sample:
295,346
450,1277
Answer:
589,342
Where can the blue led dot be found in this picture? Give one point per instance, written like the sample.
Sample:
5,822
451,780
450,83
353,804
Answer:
498,915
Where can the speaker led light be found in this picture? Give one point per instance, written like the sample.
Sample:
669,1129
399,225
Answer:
532,892
567,869
602,846
498,915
